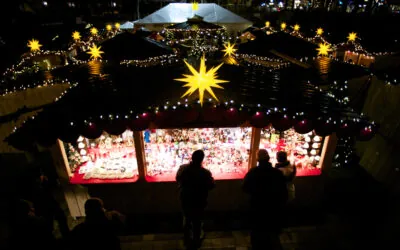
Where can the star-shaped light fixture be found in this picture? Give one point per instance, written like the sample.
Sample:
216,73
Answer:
34,45
76,35
324,49
283,26
195,6
352,37
117,26
108,27
229,49
201,80
95,52
296,27
320,31
267,24
94,31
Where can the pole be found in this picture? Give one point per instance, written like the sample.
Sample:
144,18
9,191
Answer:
137,9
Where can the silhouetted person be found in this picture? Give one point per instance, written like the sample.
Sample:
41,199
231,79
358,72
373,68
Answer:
268,195
194,184
288,170
96,232
29,231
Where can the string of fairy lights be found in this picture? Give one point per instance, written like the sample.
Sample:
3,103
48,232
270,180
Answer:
152,61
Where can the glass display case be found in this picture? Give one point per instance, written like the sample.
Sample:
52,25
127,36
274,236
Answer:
304,150
226,151
107,159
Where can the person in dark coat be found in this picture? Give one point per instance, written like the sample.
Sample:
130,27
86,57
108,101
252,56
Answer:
288,170
268,195
97,231
194,184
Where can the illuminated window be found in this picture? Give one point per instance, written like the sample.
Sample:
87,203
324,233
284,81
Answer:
304,151
226,151
106,159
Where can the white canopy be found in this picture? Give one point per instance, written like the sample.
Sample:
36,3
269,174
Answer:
179,12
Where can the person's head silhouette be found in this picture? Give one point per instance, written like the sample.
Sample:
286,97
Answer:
281,156
197,157
94,209
262,155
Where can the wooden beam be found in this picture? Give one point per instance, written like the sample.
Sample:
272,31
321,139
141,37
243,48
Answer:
254,146
328,151
140,154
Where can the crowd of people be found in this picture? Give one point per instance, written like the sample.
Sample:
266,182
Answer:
269,188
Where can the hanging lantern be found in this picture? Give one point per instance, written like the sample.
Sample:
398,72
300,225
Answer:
303,126
141,122
281,122
324,127
366,133
259,120
116,127
91,130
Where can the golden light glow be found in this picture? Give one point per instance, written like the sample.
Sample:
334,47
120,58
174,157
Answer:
296,27
195,6
324,49
34,45
94,31
95,52
76,35
352,37
283,26
267,24
229,49
108,27
201,80
320,31
117,26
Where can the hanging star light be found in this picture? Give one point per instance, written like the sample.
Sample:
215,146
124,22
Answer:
229,49
352,37
76,35
283,26
296,27
117,26
94,31
320,31
34,45
108,27
95,52
201,80
195,6
267,24
324,49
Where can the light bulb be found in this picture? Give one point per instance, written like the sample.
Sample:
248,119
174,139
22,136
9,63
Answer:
306,145
307,139
317,138
315,145
81,145
313,152
80,139
317,158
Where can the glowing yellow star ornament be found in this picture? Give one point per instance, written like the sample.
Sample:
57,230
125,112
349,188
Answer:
201,80
229,49
352,37
283,26
95,52
195,6
324,49
320,31
108,27
296,27
94,31
76,36
117,26
267,24
34,45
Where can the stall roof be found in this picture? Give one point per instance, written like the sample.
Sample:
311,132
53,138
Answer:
179,12
194,23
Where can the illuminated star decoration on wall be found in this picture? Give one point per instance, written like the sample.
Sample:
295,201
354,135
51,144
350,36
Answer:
296,27
95,52
283,26
320,31
76,35
117,26
108,27
229,49
34,45
267,24
195,6
201,80
94,31
352,37
324,49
